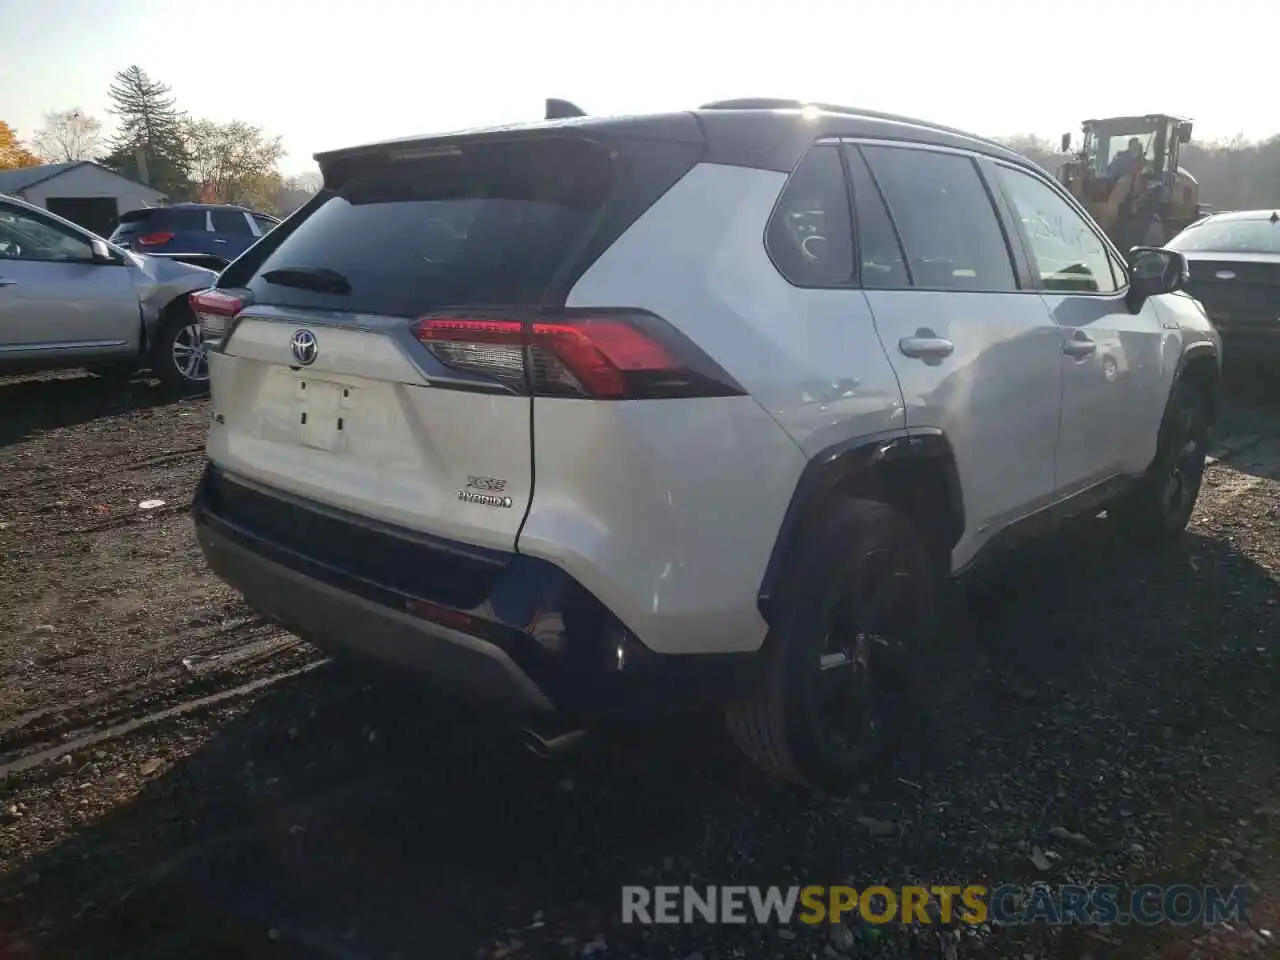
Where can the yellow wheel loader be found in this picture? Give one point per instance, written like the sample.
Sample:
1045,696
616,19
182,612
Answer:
1126,175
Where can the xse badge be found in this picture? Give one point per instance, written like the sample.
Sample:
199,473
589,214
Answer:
486,491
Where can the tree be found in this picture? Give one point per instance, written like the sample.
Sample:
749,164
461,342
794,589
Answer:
234,162
68,136
150,128
1036,149
12,153
295,191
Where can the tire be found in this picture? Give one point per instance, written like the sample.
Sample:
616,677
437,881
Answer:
797,722
1160,505
178,356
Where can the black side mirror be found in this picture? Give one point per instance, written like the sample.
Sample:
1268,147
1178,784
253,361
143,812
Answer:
1154,271
1066,143
1184,133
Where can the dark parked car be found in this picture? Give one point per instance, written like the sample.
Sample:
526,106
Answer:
218,233
1235,273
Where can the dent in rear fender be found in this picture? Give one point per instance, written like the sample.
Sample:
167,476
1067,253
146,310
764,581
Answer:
665,510
811,357
160,284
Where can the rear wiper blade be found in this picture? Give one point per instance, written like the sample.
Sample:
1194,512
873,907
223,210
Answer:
319,279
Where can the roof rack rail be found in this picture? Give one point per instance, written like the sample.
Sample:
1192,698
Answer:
755,103
563,109
777,103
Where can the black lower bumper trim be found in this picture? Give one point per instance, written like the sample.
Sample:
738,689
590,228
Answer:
484,624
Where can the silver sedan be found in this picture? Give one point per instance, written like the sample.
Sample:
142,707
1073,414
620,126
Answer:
68,298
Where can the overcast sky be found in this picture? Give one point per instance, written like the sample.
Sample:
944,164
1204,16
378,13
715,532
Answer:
324,75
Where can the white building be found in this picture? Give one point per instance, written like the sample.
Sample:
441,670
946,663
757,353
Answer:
84,192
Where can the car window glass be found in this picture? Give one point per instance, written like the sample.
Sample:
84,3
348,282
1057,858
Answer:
881,261
948,226
183,220
230,221
264,224
1230,235
809,235
493,227
1069,255
24,236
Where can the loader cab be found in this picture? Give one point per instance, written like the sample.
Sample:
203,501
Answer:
1164,188
1159,136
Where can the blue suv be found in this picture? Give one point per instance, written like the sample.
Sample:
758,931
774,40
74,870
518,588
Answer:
215,232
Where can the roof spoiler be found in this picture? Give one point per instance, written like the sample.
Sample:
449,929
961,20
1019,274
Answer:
563,109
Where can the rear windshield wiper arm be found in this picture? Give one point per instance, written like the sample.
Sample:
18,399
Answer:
319,279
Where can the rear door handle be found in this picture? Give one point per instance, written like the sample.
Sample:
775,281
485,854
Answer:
219,241
1079,347
926,348
7,283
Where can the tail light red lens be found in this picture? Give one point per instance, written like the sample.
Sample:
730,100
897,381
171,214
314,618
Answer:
153,239
601,355
215,309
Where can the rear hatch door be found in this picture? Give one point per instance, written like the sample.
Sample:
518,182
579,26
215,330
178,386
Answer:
132,225
322,389
160,229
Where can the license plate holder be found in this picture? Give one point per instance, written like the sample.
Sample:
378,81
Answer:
323,413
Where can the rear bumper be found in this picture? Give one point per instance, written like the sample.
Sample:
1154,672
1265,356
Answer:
506,629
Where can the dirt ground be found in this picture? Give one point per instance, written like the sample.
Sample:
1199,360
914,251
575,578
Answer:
178,779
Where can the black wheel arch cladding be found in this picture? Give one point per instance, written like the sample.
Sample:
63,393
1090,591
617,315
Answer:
1198,368
914,472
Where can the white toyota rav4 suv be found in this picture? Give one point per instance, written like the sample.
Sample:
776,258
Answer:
617,414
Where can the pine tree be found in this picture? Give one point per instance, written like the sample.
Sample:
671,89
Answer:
151,123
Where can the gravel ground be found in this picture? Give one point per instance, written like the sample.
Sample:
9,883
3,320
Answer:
179,780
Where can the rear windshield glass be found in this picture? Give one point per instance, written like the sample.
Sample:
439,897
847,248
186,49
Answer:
134,216
489,225
1230,236
161,218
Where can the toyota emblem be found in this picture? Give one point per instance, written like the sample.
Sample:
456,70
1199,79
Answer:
304,347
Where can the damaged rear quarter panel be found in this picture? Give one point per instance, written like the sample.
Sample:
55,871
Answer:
160,281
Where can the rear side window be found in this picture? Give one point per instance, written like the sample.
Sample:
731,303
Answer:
488,224
265,224
230,221
947,223
809,235
882,265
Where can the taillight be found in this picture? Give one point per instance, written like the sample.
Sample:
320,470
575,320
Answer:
153,239
596,354
214,310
